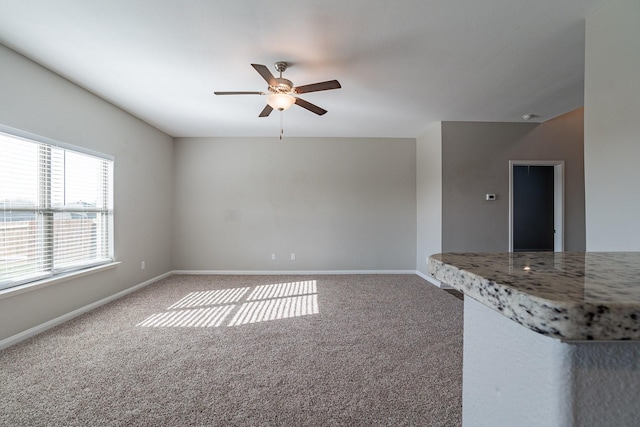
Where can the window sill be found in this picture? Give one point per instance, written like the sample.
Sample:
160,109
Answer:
28,287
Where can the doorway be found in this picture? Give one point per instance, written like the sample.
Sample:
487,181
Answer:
536,205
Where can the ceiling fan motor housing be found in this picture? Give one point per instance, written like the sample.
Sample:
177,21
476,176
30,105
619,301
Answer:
284,86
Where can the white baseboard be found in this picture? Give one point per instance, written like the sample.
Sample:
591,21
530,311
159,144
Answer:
426,277
433,280
288,272
14,339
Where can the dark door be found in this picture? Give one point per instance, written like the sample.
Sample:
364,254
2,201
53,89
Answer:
533,208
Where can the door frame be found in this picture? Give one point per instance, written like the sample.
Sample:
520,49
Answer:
558,199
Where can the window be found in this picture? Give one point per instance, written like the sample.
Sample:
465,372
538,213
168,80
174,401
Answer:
56,209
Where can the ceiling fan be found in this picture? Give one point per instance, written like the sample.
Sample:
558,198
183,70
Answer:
282,94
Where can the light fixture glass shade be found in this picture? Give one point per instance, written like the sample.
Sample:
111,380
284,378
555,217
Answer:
280,101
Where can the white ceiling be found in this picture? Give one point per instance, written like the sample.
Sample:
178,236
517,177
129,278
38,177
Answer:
403,64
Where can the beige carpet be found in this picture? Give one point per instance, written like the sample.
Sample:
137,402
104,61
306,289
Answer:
247,350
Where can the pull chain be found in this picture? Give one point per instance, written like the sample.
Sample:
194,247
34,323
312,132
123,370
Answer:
281,124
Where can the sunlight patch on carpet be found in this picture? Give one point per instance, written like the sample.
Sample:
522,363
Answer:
222,296
279,290
273,309
264,303
198,317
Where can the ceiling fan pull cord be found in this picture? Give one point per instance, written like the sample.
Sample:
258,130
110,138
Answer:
281,124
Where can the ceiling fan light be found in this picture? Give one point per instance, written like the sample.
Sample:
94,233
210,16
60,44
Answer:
280,101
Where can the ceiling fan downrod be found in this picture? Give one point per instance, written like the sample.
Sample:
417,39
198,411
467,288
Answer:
281,67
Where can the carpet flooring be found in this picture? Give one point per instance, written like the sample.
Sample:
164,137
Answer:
352,350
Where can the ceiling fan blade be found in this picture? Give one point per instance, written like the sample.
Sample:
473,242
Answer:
267,110
266,74
315,87
239,93
311,107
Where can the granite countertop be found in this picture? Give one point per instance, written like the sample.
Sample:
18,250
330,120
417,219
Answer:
571,296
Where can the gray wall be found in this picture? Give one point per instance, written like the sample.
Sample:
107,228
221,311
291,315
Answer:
37,101
475,161
612,127
428,195
338,203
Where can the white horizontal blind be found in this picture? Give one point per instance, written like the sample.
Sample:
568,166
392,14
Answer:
56,210
22,242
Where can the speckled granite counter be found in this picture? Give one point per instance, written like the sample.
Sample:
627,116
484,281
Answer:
569,296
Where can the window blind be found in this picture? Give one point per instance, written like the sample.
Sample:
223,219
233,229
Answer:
56,210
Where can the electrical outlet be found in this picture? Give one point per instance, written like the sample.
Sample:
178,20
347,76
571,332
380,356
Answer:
293,256
273,256
142,265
